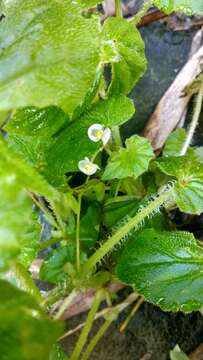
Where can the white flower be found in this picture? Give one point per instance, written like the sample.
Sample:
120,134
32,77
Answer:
87,166
97,132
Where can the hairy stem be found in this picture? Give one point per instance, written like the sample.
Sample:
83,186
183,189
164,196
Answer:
124,230
194,122
88,325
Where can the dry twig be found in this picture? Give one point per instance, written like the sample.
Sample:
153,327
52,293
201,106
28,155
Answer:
173,105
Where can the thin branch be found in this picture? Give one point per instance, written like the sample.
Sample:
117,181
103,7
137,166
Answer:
194,122
132,313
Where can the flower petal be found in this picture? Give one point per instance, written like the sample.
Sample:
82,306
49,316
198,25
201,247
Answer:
106,136
93,132
87,167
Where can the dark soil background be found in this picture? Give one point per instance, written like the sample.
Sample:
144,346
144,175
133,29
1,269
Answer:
151,334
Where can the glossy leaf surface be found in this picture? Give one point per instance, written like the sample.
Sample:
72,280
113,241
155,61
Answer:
165,267
44,48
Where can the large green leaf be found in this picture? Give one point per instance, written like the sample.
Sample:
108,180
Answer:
73,144
130,63
15,213
26,332
166,268
31,121
32,132
14,169
189,185
187,6
130,161
19,228
49,54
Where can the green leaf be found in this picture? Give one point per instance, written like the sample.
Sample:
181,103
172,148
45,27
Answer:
32,132
89,227
130,63
41,122
89,3
114,111
15,212
115,211
49,54
189,185
118,211
63,156
29,240
26,332
19,227
166,268
177,354
21,277
187,6
53,269
130,161
94,190
174,143
15,169
199,154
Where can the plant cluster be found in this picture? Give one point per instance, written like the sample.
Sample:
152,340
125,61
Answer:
97,209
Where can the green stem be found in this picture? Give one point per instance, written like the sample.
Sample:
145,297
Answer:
124,230
97,338
25,282
118,9
78,235
65,304
117,188
117,137
194,122
132,313
88,325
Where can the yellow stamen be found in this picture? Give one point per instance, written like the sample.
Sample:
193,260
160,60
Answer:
98,134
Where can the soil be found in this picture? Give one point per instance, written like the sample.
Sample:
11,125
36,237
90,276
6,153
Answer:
150,335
